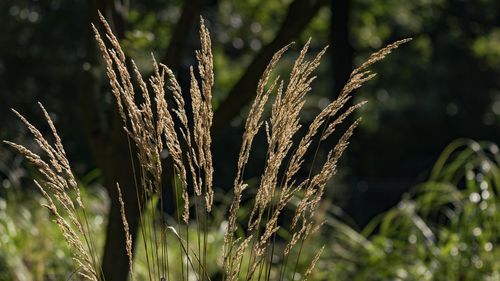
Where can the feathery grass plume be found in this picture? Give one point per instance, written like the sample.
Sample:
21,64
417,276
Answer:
150,127
140,116
205,69
128,236
146,131
252,125
141,126
284,124
313,264
58,183
166,125
153,125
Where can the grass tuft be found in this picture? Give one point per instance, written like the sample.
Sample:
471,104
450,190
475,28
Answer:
152,125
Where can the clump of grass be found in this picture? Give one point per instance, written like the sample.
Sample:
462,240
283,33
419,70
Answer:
69,211
28,249
153,125
446,228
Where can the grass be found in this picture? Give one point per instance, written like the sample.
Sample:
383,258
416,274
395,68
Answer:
441,230
190,246
445,229
30,248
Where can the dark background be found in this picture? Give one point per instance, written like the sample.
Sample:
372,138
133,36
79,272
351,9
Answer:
441,86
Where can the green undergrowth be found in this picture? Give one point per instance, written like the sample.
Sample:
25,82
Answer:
32,247
447,228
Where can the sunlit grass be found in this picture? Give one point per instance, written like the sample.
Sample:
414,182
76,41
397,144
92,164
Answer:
446,228
31,245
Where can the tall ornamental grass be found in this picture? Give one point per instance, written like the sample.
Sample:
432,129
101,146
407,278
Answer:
152,126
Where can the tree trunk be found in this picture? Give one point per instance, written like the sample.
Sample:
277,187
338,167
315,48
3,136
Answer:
115,263
108,143
190,12
342,51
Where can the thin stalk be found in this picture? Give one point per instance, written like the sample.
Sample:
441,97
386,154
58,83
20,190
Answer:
198,228
297,261
227,256
178,218
205,231
239,269
262,265
283,266
87,236
149,232
138,202
164,245
268,274
155,238
187,253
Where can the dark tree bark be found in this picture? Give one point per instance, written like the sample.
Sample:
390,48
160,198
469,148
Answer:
115,261
190,13
107,141
342,51
299,14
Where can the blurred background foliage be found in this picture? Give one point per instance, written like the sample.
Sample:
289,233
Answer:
445,228
442,86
